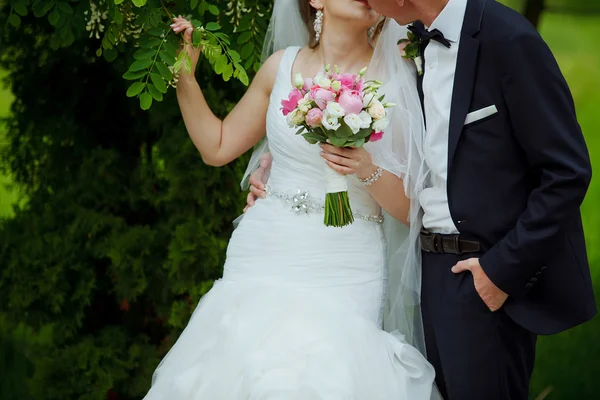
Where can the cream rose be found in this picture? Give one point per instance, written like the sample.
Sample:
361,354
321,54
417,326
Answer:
334,109
330,122
376,110
365,119
380,125
295,118
354,122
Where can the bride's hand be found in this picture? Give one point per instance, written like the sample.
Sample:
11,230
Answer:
179,25
349,161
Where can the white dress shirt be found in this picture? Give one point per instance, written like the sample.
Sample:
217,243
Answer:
438,83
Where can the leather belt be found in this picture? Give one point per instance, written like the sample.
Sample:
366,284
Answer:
447,244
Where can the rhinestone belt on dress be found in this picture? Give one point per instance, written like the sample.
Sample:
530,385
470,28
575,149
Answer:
302,202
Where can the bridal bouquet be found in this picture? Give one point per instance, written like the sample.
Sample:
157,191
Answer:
343,110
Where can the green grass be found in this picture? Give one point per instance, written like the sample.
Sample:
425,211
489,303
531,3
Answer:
7,196
568,363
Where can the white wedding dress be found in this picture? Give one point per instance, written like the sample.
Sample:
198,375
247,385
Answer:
297,314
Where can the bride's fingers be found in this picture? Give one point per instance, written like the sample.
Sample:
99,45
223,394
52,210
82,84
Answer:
339,168
187,36
347,162
335,150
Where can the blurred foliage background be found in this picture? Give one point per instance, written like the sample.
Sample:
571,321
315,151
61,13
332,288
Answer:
111,227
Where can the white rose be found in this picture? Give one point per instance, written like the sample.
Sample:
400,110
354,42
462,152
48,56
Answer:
323,82
380,125
354,122
334,109
330,122
365,119
295,118
304,105
367,98
376,110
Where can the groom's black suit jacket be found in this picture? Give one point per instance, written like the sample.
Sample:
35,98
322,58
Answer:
516,179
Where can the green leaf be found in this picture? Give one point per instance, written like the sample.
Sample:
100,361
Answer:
110,55
42,7
167,58
65,7
247,50
337,142
140,64
243,77
227,72
359,143
244,37
187,64
220,64
132,76
144,54
224,38
196,37
156,95
235,56
135,89
145,101
212,26
155,32
149,42
117,2
214,10
171,46
139,3
193,4
53,17
14,20
158,82
21,9
164,71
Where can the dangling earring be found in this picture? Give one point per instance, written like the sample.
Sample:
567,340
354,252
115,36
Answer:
371,32
318,25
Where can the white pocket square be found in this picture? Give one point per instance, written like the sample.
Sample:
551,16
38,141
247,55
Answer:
480,114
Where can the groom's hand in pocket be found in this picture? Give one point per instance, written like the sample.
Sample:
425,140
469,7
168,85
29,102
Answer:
491,295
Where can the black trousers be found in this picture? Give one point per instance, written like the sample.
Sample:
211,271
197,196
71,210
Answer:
477,354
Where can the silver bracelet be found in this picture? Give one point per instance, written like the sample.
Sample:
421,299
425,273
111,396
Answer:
373,178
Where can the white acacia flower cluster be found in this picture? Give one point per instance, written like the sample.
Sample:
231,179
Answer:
129,26
95,17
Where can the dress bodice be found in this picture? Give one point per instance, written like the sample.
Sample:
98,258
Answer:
297,165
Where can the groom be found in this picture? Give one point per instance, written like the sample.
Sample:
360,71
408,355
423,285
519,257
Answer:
504,256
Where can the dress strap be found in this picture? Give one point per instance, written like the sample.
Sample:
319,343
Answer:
284,73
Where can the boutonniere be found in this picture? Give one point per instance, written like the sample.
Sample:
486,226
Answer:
410,48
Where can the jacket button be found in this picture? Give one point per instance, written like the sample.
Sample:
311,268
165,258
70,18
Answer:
543,268
533,280
529,285
538,273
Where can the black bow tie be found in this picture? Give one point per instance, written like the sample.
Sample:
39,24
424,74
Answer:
427,35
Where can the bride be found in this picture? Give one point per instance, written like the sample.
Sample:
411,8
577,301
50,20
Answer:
299,311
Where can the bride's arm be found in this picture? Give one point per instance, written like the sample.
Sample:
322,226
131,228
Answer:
219,142
387,191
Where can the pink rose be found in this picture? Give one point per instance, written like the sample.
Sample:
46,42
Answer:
314,117
360,85
351,101
321,97
291,103
375,136
347,80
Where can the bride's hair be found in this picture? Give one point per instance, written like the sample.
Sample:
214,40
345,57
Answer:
309,14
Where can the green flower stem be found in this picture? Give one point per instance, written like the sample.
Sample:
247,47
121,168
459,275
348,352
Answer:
338,212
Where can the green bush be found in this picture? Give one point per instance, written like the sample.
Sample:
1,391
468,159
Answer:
124,228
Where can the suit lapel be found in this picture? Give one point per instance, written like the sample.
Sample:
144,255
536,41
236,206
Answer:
464,78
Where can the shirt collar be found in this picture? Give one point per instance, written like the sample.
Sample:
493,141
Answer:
450,20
